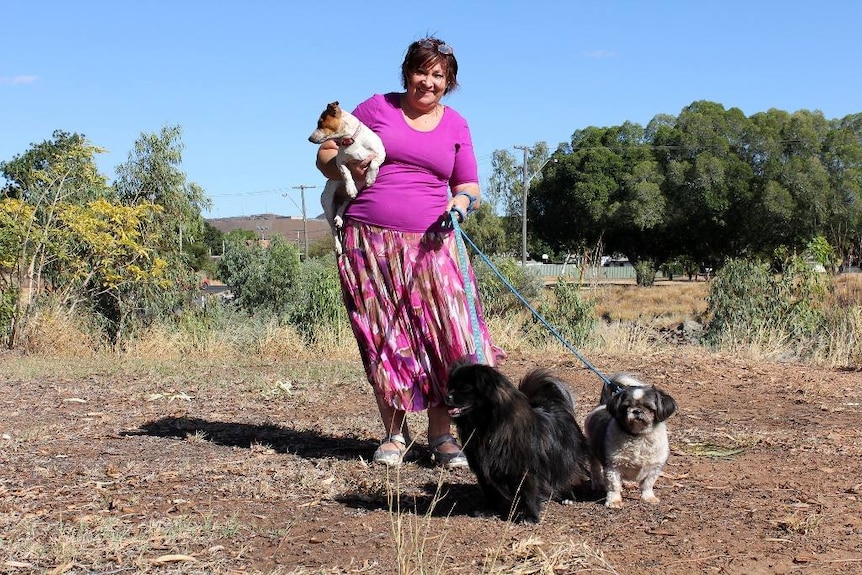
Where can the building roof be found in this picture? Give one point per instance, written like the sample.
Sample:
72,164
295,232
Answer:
268,225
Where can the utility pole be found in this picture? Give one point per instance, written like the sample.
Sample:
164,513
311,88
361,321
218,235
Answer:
526,179
524,189
302,188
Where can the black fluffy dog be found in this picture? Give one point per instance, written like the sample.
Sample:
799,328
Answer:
523,444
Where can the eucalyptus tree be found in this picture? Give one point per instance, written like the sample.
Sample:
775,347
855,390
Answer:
708,184
842,156
569,207
152,173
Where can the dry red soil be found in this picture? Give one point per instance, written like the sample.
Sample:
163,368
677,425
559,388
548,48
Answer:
764,477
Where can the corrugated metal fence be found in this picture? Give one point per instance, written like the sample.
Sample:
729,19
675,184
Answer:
592,273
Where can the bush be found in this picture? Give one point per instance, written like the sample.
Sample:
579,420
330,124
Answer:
571,315
316,301
8,298
751,304
262,279
497,298
645,273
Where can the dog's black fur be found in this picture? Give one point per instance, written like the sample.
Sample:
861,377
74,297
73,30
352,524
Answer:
523,444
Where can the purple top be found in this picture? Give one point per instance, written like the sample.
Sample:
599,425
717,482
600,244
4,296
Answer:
412,189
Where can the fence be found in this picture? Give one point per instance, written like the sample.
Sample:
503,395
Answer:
591,273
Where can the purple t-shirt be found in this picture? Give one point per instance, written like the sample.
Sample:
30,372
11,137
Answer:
412,189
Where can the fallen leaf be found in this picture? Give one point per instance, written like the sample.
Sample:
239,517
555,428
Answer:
173,558
62,568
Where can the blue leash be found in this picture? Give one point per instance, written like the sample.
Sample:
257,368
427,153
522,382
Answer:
468,287
460,238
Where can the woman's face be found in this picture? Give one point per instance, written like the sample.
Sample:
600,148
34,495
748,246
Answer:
426,86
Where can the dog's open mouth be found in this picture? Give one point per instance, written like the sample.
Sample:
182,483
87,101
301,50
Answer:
456,411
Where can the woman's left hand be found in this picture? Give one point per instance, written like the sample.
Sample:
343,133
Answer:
462,201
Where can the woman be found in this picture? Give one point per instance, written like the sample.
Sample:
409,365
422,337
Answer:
399,271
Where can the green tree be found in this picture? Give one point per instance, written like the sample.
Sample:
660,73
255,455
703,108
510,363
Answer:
487,231
54,173
17,226
62,168
152,174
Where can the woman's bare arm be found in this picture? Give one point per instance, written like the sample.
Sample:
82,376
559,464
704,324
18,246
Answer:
326,162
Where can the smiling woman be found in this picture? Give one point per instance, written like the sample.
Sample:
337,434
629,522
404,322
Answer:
399,267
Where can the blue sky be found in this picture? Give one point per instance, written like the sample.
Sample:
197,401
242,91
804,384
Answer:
247,80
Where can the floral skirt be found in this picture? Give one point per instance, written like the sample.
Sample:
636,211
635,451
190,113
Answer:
405,296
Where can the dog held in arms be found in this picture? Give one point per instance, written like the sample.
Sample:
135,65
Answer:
627,437
524,444
356,141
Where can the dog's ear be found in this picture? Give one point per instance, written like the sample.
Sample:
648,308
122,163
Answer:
614,404
332,108
666,405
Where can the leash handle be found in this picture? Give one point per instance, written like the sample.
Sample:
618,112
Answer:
468,287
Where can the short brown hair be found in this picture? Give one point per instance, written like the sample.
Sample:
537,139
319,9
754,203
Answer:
426,53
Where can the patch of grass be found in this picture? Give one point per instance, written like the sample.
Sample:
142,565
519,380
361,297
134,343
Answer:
800,522
111,544
661,305
533,555
711,450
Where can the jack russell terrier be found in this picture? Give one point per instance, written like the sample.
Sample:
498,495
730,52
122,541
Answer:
356,141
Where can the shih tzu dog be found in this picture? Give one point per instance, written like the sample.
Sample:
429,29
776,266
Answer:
627,437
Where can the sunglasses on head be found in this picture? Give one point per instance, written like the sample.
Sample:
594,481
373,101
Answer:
442,47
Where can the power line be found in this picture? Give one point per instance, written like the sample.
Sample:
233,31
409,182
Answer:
257,193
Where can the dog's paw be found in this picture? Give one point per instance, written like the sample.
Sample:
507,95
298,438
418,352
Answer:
350,188
650,498
483,514
614,501
371,177
338,222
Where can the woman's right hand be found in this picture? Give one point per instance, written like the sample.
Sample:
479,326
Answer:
359,168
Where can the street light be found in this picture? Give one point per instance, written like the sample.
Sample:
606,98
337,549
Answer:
526,185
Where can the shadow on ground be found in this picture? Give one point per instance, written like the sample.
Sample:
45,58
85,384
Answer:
303,443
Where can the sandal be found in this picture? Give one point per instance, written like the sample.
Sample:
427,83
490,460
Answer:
388,456
450,460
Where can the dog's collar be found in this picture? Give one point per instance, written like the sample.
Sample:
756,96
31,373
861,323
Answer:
348,140
614,387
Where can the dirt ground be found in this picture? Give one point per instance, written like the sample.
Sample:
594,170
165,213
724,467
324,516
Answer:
254,469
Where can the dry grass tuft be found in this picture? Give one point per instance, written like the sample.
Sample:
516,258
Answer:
58,334
269,341
847,289
533,555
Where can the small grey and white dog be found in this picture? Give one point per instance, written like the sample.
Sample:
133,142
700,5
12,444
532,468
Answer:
627,437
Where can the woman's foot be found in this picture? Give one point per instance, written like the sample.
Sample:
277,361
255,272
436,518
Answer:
446,452
391,450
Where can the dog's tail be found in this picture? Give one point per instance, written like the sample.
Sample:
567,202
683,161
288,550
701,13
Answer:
544,390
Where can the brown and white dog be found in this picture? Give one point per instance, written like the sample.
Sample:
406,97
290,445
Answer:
356,141
627,437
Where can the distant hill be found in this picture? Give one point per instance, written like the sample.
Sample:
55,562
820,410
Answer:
268,225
